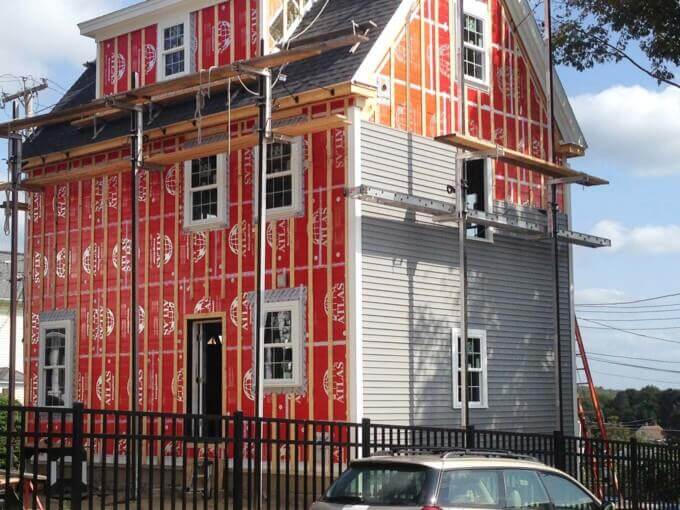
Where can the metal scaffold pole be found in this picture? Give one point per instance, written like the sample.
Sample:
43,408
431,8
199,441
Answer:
554,216
461,206
264,135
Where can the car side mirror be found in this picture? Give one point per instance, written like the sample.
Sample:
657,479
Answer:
608,506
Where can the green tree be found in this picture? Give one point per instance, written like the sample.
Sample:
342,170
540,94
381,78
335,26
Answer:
590,32
3,430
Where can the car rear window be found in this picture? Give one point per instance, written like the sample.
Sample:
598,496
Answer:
388,484
470,488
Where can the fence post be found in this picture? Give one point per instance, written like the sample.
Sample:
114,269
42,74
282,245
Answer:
238,461
560,450
634,480
470,437
366,437
77,457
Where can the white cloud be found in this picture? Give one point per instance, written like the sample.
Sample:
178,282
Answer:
648,239
632,128
598,295
42,35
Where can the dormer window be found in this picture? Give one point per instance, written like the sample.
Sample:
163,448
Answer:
173,46
286,19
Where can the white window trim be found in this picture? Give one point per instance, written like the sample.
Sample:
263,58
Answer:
222,206
291,30
296,165
472,333
297,344
67,325
184,19
479,10
489,192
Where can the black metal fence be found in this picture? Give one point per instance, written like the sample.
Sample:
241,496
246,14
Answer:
82,458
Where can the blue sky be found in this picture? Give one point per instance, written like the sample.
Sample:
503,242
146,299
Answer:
632,126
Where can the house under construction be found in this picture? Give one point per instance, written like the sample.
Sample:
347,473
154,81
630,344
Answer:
397,208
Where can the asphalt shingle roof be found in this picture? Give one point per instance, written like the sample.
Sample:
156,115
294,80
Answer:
334,67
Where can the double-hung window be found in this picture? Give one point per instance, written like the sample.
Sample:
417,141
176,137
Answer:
476,37
205,197
283,344
173,46
55,384
283,190
476,369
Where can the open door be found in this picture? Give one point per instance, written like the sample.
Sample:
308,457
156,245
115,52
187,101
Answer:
205,393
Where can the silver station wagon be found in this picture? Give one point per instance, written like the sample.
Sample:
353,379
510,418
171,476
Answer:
456,479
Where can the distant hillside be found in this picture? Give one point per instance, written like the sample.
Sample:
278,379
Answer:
625,411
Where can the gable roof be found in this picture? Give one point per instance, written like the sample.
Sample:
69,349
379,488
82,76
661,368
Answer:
532,38
331,68
337,66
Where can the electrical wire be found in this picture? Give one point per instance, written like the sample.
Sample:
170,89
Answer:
655,298
670,328
589,353
644,379
297,36
631,365
620,311
246,87
631,320
631,332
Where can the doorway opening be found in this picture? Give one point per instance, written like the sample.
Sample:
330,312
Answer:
205,390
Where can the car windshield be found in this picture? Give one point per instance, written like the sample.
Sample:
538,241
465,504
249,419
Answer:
382,484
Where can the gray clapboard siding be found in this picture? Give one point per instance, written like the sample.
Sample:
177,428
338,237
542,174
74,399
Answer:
410,279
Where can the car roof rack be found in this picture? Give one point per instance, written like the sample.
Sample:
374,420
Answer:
448,452
481,452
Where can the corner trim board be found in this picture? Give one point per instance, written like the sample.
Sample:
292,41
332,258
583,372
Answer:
354,270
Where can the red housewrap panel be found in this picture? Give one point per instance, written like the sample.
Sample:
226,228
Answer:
108,64
183,274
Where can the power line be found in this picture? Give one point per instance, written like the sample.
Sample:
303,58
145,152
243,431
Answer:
630,357
630,365
633,320
627,308
630,332
670,328
655,298
644,379
632,311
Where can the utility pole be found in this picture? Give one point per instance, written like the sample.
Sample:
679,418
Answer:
25,96
14,160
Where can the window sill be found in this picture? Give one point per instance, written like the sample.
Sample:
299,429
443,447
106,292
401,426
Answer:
271,388
283,214
488,239
480,85
472,406
206,227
